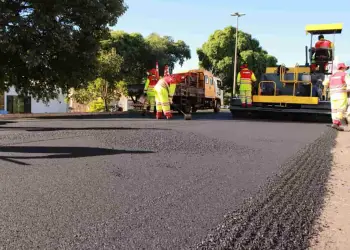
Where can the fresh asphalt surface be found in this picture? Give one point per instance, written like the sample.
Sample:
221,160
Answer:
138,183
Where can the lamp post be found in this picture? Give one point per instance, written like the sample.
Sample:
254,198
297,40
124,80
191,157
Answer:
238,15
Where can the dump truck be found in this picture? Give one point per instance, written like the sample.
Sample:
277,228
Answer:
199,90
296,89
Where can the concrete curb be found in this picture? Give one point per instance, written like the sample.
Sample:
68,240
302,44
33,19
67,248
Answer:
60,115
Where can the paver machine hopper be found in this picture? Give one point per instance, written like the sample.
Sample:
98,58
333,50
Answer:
295,89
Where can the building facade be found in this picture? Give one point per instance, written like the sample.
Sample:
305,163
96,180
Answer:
11,103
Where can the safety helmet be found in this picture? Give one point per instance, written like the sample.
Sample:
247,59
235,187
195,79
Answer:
244,66
342,66
152,72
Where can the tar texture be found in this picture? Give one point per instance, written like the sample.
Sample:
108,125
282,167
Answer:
283,214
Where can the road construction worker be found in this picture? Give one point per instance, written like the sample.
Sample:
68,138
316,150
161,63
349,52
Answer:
337,85
325,54
164,92
245,81
149,90
323,43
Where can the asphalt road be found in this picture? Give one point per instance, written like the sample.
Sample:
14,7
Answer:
137,183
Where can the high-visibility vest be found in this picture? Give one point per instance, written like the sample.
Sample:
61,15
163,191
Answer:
246,76
337,83
323,44
150,83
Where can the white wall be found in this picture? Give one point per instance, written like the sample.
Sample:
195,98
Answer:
54,106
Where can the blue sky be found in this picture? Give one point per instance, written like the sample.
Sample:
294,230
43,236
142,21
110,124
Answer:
278,25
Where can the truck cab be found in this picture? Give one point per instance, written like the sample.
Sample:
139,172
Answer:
219,93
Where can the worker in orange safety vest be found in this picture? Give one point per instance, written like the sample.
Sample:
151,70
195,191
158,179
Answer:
322,43
149,90
245,80
338,86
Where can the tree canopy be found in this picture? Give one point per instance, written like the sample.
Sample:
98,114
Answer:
166,51
108,86
217,54
141,53
132,56
50,45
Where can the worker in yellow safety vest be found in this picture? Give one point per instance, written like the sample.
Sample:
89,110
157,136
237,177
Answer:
164,92
338,88
245,81
149,89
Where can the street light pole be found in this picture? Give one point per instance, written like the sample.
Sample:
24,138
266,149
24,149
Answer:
238,15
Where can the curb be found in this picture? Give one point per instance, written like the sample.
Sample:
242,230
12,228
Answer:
61,115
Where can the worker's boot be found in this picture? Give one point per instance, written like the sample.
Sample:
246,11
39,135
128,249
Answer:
159,115
243,105
344,125
143,112
250,105
337,125
169,115
341,128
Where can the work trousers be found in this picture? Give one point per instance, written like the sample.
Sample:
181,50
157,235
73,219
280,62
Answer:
339,106
245,94
162,101
151,101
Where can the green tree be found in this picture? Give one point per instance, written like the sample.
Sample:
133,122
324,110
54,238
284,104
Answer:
134,50
140,54
217,55
108,86
50,45
166,51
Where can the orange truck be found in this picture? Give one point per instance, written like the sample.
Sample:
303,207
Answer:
199,89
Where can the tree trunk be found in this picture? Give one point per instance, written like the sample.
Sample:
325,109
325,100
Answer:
105,94
106,104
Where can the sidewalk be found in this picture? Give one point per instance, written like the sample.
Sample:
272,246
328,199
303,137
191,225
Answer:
335,218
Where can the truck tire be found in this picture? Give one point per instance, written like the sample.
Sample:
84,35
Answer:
187,109
217,107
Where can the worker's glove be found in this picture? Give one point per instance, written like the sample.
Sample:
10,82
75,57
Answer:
170,100
145,92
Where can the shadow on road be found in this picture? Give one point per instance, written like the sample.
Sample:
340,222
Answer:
43,129
6,122
60,152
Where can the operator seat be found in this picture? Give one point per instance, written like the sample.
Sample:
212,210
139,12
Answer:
323,55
